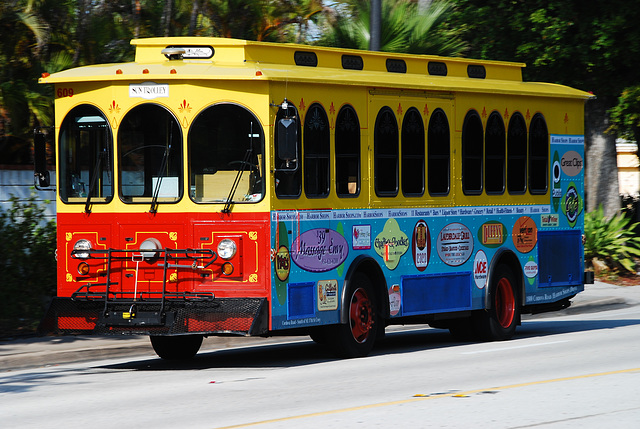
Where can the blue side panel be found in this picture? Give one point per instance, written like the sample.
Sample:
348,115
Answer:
557,253
433,293
301,302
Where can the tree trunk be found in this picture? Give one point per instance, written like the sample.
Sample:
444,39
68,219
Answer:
193,20
166,17
83,16
136,18
601,175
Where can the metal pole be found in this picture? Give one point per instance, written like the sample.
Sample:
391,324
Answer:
376,25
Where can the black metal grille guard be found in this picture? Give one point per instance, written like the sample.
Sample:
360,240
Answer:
200,258
96,309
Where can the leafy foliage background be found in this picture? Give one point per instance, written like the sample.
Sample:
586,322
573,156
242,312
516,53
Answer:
27,266
593,45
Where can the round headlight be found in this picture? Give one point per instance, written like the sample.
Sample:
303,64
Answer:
149,248
80,246
227,248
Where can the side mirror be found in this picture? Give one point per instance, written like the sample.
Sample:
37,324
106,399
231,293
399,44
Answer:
40,160
287,131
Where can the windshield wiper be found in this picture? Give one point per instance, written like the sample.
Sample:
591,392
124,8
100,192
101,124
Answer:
156,191
163,166
236,181
92,185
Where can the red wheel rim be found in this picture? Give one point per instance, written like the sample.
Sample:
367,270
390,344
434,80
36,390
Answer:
361,315
505,303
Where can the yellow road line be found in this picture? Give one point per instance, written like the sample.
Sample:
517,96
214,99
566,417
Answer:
420,397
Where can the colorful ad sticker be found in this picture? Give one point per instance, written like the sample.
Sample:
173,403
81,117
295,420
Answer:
571,163
361,237
340,230
549,220
283,263
556,173
327,295
391,243
492,234
525,234
571,204
480,269
395,300
531,270
421,246
455,244
319,250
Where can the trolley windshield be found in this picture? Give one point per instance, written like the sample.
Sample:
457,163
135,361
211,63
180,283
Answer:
226,156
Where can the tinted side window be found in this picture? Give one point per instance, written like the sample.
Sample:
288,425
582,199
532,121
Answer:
385,142
347,152
494,155
316,152
538,155
289,179
472,142
438,146
412,153
517,155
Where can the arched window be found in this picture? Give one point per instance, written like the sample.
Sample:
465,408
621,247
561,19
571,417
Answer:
288,172
438,146
517,155
472,142
347,152
494,154
385,142
226,143
412,154
538,155
316,152
86,157
150,154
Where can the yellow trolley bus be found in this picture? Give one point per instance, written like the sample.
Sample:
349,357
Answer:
218,186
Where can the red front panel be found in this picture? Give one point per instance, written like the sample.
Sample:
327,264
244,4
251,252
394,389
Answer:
101,238
130,271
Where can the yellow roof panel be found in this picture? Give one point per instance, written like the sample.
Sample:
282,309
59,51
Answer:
231,59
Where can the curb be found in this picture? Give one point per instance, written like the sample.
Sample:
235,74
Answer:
33,352
48,356
596,305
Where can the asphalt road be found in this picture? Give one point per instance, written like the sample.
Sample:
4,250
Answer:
32,352
575,368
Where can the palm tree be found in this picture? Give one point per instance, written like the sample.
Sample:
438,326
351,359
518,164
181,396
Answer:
305,12
407,26
263,20
23,40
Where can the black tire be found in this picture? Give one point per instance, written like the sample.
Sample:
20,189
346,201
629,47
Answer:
179,347
462,329
321,334
500,320
357,336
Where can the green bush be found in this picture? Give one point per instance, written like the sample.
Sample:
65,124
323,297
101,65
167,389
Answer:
27,265
611,241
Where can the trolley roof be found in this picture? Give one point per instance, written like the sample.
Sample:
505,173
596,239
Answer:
210,58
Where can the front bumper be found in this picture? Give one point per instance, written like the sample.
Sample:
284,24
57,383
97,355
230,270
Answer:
239,316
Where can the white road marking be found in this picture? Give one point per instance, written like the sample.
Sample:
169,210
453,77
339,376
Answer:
514,347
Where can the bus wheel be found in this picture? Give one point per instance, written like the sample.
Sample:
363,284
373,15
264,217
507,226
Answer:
500,321
320,335
462,329
356,337
176,347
